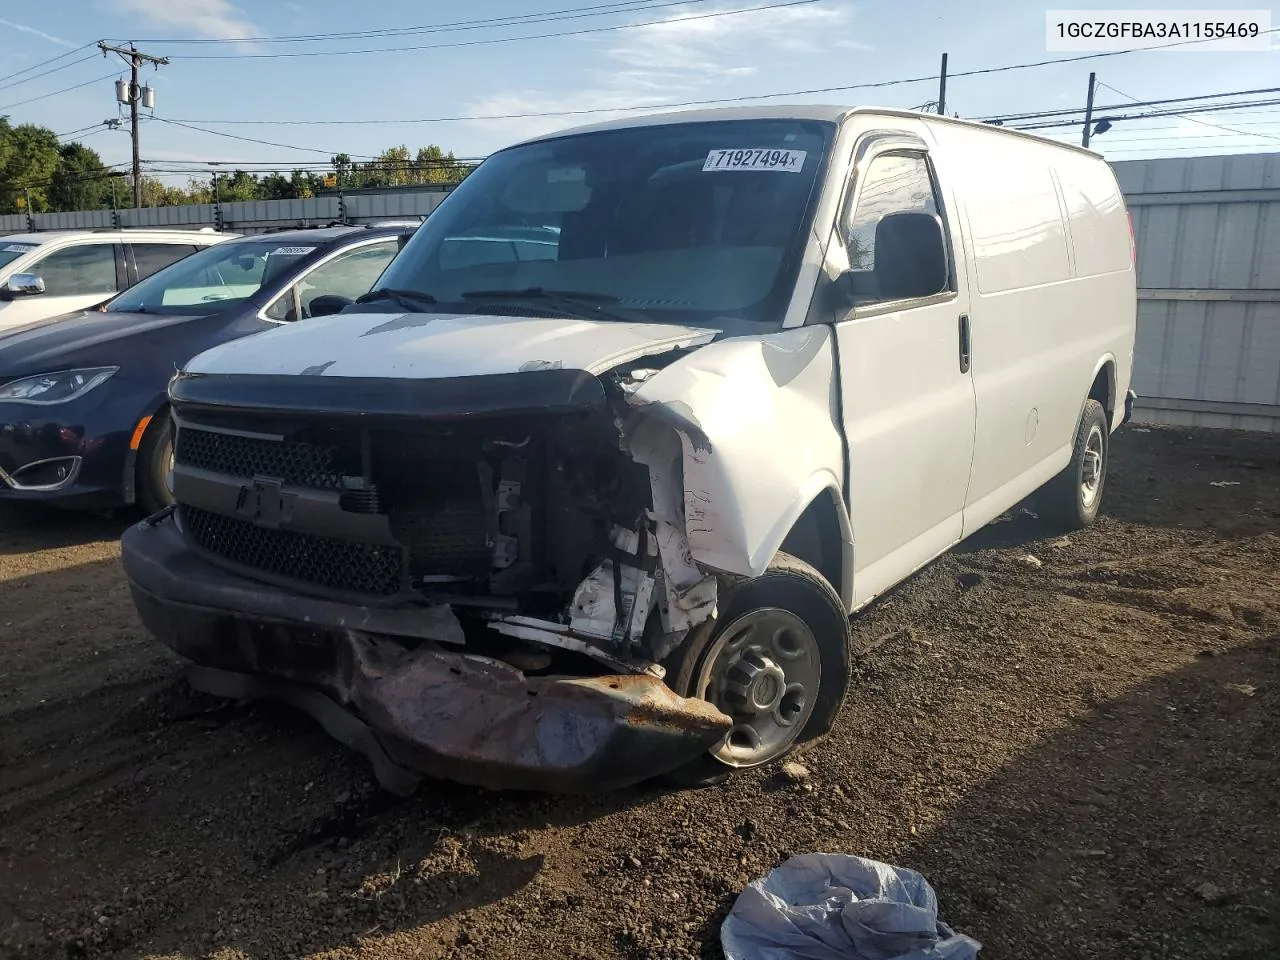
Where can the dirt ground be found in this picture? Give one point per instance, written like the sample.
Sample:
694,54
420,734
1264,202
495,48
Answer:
1078,750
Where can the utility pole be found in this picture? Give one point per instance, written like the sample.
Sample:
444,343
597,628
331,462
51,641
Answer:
942,88
1088,110
135,59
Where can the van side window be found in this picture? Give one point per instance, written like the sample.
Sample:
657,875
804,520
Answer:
892,183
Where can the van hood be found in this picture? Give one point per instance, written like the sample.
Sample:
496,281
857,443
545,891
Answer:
435,345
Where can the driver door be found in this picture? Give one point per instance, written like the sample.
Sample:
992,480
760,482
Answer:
906,390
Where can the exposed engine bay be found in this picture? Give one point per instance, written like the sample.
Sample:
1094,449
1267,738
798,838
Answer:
558,531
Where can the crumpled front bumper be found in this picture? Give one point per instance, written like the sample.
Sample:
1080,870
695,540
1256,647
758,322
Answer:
377,681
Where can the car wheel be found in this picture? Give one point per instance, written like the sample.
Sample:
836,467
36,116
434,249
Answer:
1071,500
776,660
155,464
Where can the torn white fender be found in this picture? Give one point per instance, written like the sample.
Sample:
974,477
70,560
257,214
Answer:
756,421
689,593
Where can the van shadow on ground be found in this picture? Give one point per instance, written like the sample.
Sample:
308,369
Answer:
1096,827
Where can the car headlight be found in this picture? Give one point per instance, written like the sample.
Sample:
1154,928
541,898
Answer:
56,387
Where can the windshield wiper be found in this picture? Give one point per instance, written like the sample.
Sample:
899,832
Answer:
583,303
406,299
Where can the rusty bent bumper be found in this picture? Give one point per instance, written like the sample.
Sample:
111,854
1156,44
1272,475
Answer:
376,682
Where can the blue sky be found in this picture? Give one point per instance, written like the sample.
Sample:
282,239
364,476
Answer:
818,44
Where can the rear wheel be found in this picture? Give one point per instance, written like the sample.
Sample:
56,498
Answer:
776,661
1073,498
155,464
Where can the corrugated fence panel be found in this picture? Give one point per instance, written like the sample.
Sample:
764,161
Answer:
195,214
77,220
281,212
13,223
392,205
1208,235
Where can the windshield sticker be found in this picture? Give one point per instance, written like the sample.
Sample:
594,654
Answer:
290,251
783,161
21,247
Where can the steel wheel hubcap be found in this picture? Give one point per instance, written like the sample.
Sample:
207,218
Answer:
1091,468
763,671
168,471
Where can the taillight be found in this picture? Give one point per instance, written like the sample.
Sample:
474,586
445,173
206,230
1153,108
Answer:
1133,244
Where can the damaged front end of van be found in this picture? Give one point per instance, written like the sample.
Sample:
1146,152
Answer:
487,577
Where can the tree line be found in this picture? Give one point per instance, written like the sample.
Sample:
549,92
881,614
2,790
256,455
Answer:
36,169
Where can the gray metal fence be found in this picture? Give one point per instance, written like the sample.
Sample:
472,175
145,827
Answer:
251,216
1208,235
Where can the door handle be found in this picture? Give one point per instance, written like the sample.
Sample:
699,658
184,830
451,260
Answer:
966,349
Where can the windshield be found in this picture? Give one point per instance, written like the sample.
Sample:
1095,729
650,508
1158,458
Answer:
10,252
684,223
214,278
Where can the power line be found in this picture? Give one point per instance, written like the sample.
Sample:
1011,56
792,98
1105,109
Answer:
1254,149
37,66
485,42
72,133
37,76
1206,123
719,101
46,96
267,143
571,13
1160,113
1041,114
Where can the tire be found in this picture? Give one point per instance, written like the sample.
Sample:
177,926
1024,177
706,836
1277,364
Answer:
153,464
789,598
1071,500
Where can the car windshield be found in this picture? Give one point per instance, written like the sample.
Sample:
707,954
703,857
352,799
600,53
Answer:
10,252
690,223
212,279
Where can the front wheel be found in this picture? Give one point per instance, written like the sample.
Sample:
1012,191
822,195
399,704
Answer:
1073,498
155,464
776,661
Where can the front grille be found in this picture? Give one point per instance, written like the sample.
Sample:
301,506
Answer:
367,568
303,464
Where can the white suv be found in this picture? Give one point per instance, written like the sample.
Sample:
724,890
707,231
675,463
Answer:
45,275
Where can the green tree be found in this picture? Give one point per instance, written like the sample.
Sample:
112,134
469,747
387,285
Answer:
80,181
155,193
28,158
305,184
274,186
239,186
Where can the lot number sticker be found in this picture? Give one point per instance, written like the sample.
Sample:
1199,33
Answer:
783,161
20,247
291,251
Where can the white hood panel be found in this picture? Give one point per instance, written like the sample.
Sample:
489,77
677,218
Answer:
432,345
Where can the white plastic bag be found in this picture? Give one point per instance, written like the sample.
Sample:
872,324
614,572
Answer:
824,906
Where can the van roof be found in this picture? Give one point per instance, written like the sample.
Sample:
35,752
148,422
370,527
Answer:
825,112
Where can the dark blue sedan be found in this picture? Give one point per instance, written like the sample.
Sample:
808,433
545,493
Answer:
83,420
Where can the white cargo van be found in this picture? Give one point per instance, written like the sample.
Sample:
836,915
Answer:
588,487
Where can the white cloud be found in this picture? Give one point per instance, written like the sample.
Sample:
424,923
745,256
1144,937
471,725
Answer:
677,60
23,28
215,19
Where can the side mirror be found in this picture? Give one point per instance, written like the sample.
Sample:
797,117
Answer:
329,303
910,256
23,285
